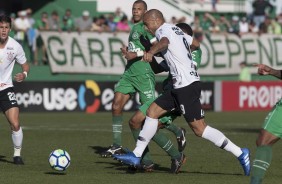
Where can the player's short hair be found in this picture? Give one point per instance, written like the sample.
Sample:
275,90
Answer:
6,18
143,2
185,28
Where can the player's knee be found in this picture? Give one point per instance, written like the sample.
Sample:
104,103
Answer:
198,133
116,107
133,124
153,112
15,127
198,127
264,139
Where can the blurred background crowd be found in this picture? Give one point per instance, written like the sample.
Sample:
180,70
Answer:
261,17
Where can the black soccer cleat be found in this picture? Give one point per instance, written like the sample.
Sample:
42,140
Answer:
112,150
18,160
177,163
181,141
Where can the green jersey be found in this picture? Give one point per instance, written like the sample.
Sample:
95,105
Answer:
197,57
137,66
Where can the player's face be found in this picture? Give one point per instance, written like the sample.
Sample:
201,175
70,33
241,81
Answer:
138,10
150,25
4,31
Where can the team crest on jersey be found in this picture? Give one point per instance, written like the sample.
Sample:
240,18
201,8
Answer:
135,35
10,56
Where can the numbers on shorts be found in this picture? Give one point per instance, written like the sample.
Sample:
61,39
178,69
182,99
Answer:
11,96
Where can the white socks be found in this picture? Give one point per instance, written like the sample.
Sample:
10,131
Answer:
148,131
219,139
17,138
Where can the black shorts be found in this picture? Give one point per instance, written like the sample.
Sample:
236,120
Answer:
8,99
186,100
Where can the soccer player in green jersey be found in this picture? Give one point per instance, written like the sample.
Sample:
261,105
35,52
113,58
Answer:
137,77
271,132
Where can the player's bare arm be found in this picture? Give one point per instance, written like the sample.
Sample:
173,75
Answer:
267,70
127,55
19,77
132,55
159,47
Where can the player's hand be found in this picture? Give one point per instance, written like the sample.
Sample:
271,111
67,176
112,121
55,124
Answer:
19,77
123,50
148,56
263,69
130,55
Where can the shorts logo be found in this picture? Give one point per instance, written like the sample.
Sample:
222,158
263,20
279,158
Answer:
93,88
182,109
202,113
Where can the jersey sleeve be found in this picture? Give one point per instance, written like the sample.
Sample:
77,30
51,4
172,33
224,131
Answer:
20,57
163,33
197,57
150,37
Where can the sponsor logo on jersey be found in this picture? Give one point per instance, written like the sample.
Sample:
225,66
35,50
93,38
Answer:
10,48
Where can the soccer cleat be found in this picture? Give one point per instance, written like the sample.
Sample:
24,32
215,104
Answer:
181,141
112,150
148,167
128,159
177,163
18,160
244,159
143,167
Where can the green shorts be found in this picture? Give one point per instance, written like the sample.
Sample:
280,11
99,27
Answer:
143,84
166,119
272,122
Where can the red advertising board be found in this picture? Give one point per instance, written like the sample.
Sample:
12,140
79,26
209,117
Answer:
239,96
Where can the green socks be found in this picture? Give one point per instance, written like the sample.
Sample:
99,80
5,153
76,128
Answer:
163,141
166,144
173,128
261,163
117,130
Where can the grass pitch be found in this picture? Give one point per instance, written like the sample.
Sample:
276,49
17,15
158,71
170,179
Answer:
84,136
